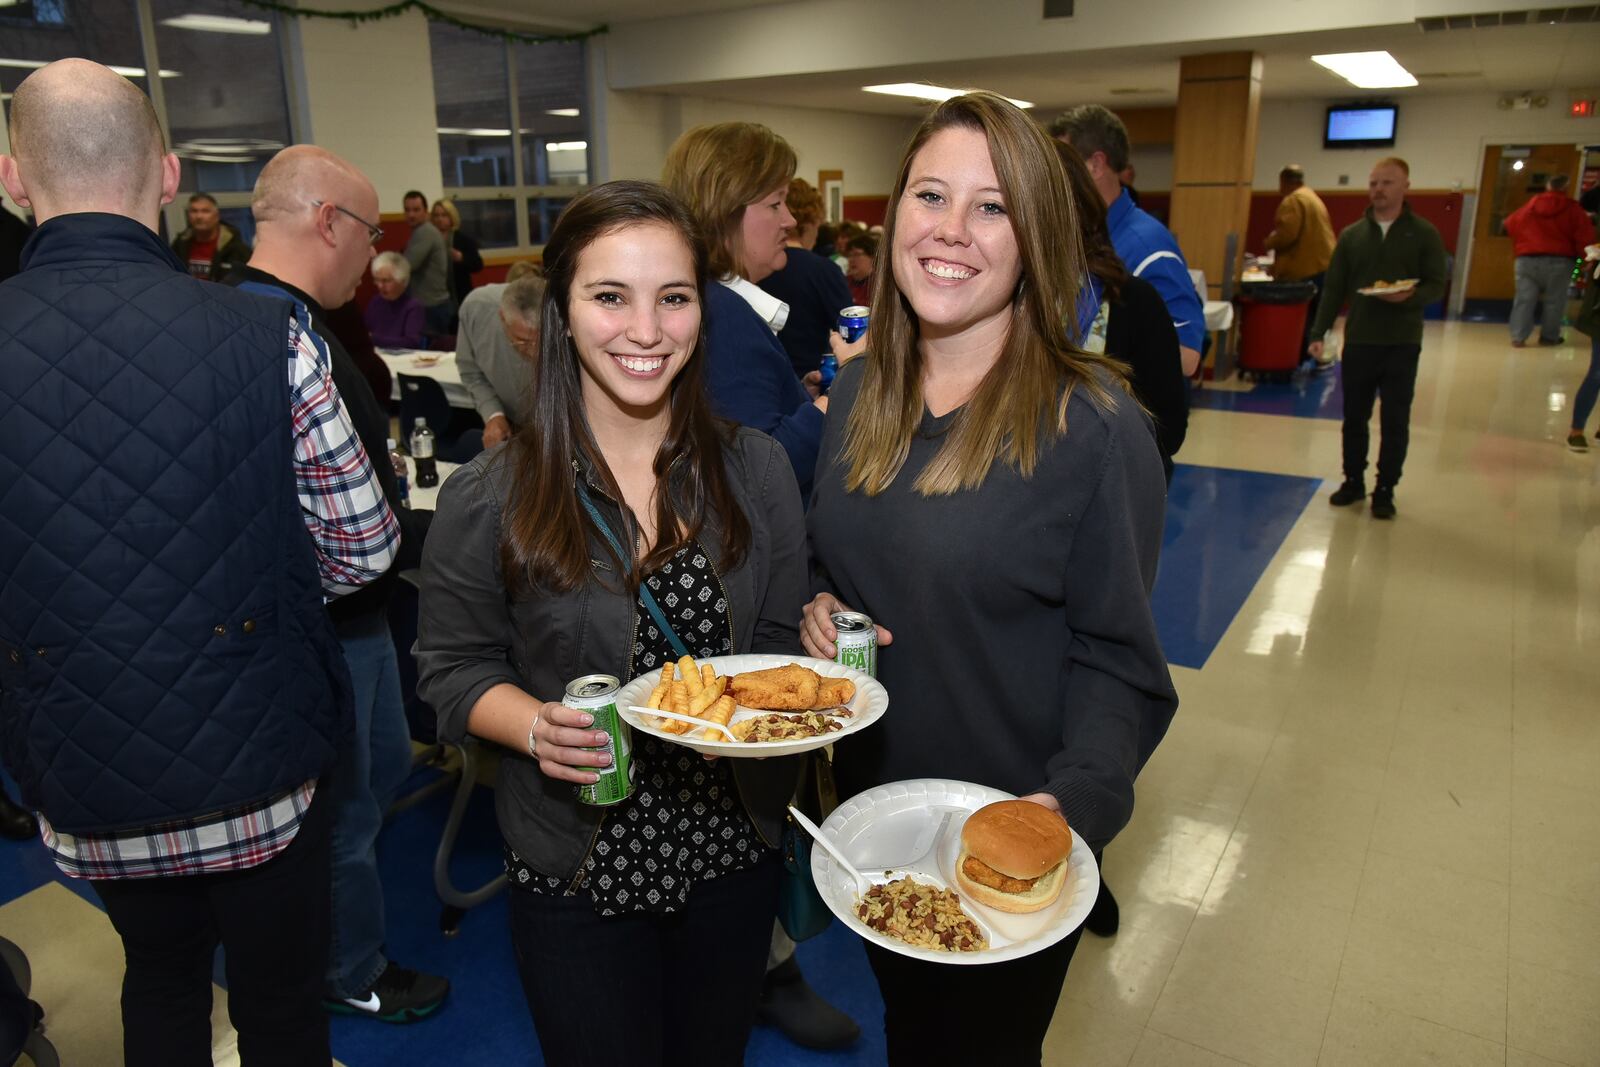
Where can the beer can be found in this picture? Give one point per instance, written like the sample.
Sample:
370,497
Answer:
853,323
830,367
597,694
857,643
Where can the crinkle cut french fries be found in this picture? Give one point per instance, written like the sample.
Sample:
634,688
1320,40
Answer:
698,692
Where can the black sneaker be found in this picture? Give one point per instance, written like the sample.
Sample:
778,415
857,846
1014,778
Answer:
1348,493
790,1004
400,995
1382,503
1105,917
1577,442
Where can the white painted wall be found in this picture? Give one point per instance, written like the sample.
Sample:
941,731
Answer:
641,126
368,92
1441,137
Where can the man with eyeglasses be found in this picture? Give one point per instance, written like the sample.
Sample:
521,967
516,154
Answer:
496,345
430,266
314,240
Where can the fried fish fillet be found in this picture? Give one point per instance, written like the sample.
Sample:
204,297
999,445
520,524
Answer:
833,692
788,688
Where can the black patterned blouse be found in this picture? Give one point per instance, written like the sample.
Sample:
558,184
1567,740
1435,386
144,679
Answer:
685,822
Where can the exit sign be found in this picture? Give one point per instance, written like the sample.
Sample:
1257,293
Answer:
1581,109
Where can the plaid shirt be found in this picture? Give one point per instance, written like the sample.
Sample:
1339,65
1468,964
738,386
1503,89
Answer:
356,536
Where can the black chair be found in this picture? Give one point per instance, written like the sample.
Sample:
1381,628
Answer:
21,1020
424,398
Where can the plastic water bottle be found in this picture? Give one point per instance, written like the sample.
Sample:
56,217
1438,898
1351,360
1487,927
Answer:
422,455
402,479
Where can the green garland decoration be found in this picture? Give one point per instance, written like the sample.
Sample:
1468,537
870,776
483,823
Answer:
432,14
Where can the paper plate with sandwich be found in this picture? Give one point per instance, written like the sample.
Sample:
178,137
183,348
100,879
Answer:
960,873
752,705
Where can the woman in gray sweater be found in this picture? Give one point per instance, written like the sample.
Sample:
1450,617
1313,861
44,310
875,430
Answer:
992,496
527,585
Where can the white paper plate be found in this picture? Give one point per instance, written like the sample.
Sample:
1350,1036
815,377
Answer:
917,825
1403,286
868,705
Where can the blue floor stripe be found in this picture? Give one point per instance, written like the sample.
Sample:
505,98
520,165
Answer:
1307,396
1223,528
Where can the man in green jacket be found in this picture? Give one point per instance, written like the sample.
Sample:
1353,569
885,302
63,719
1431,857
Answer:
1383,334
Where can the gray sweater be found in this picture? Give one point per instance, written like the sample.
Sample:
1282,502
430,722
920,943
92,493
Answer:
498,378
1025,655
430,265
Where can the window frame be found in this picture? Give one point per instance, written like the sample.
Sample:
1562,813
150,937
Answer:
521,190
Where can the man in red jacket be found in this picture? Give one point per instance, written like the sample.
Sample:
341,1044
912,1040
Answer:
1547,234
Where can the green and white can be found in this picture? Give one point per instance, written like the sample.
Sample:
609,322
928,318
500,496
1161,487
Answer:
596,694
857,643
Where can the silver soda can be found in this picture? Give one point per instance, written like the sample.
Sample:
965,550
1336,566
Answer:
597,694
857,643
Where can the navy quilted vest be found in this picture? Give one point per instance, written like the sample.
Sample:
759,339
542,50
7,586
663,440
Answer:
164,651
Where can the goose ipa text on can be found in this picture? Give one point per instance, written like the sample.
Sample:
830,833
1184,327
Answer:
857,642
597,694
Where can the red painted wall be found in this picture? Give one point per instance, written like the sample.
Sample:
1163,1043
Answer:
866,209
1443,209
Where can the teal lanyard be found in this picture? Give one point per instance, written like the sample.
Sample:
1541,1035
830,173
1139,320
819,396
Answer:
650,605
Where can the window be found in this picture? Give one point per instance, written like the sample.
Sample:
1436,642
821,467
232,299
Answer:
222,103
228,114
513,133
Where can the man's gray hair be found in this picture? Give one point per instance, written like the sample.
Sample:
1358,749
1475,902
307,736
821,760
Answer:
1091,128
523,298
395,264
1294,174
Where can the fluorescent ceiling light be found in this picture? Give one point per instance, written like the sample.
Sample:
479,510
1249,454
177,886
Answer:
1368,70
566,146
473,131
126,72
564,112
218,24
924,91
203,158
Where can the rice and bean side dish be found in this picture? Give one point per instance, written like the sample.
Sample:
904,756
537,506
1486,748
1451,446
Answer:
921,915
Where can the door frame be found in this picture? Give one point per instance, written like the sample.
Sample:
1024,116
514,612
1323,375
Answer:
1467,243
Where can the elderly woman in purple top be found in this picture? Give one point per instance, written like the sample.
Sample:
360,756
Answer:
394,317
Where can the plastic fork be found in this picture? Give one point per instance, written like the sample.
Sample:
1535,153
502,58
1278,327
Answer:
706,723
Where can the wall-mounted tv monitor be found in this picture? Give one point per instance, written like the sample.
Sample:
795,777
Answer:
1360,126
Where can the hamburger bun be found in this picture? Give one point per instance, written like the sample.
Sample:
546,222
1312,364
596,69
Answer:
1021,850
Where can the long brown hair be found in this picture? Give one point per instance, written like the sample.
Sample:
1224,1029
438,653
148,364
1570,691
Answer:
719,170
1008,416
546,542
1104,263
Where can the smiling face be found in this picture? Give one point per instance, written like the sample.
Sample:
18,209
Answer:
763,234
634,318
955,256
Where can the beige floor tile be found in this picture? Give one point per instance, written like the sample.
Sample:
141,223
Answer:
1245,1012
1461,756
1516,1057
1554,932
1083,1036
1446,983
1554,1014
1463,827
1124,974
1161,865
1259,868
1361,1034
1206,762
1421,898
1159,1050
1342,819
1287,936
1555,839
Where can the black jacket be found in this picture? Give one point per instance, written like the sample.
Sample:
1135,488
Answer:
461,273
14,233
1140,335
232,250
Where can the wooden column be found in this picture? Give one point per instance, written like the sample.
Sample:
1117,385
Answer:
1214,159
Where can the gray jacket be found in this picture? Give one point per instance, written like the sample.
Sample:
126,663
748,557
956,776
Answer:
472,635
497,377
430,265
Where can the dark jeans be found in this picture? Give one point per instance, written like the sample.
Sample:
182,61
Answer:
272,922
997,1013
1371,373
645,989
1589,388
1311,314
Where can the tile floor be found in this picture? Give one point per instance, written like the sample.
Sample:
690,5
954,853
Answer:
1372,836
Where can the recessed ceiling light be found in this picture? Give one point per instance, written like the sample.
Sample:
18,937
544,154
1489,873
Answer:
218,24
1367,70
564,112
473,131
924,91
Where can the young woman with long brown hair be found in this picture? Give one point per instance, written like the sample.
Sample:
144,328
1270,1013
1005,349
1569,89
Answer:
527,585
992,496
